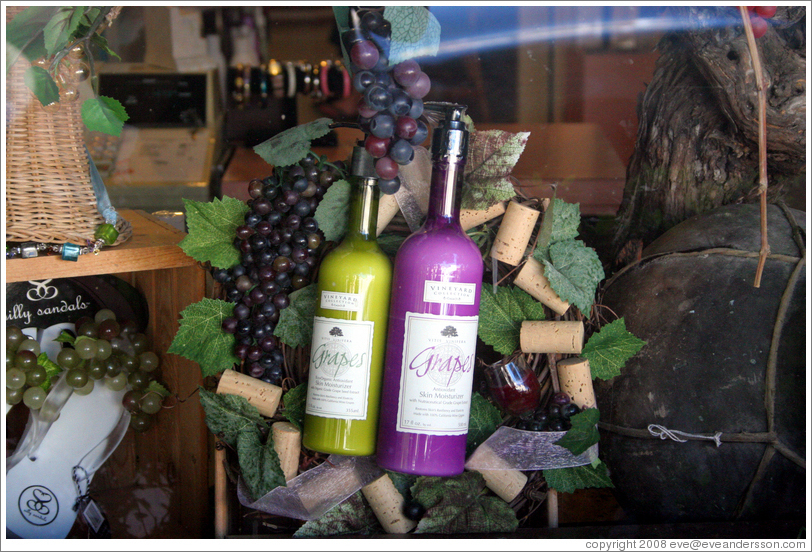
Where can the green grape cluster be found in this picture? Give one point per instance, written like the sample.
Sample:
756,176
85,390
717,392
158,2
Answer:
102,351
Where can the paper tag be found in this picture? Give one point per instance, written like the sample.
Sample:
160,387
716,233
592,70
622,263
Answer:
97,523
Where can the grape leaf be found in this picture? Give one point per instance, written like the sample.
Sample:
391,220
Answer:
212,226
608,349
569,480
415,33
461,505
560,222
294,402
390,243
259,464
403,482
104,115
65,337
501,316
292,145
156,387
350,517
200,337
583,433
39,81
24,33
333,211
229,415
483,421
52,369
295,326
60,28
574,272
492,154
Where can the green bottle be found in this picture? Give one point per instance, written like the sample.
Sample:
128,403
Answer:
349,329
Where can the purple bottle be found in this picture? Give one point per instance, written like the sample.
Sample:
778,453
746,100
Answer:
433,317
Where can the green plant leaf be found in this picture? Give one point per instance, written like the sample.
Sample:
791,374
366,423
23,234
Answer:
24,34
461,505
569,480
39,81
583,433
390,243
52,369
501,316
292,145
492,154
351,517
415,33
259,464
483,421
229,415
333,211
559,223
104,115
403,482
212,226
155,387
294,405
201,339
574,272
608,349
59,30
65,337
295,326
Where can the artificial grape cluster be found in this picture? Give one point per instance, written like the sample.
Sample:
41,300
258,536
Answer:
392,100
758,18
279,243
103,349
553,417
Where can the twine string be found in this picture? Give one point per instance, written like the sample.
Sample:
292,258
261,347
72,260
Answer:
665,433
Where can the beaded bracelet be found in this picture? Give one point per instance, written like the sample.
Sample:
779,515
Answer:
105,234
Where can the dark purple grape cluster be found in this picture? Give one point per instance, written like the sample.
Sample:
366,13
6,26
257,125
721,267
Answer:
279,244
392,103
553,417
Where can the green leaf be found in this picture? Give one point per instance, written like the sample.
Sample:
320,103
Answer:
104,115
390,243
65,337
574,272
569,480
608,349
332,214
415,33
483,421
350,517
403,482
200,337
59,30
155,387
292,145
24,34
259,464
583,433
560,222
501,316
229,415
52,369
295,326
461,505
212,226
39,81
492,154
294,405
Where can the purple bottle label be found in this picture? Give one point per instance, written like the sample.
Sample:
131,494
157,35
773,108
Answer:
437,374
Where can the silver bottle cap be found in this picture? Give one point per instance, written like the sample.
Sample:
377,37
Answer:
450,138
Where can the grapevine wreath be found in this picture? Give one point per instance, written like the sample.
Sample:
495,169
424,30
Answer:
253,336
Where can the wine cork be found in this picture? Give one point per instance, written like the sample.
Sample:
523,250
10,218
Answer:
506,483
258,393
514,233
575,379
544,336
531,279
387,503
387,209
470,218
287,441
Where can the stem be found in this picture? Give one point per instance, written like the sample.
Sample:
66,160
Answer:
762,141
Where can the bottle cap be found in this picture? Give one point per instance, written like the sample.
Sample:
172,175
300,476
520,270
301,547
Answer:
450,138
362,164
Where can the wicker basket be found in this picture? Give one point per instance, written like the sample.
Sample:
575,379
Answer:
49,195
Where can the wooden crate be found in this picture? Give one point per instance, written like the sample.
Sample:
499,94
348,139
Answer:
156,484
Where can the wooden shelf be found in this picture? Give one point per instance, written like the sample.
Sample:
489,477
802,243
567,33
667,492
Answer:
153,246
